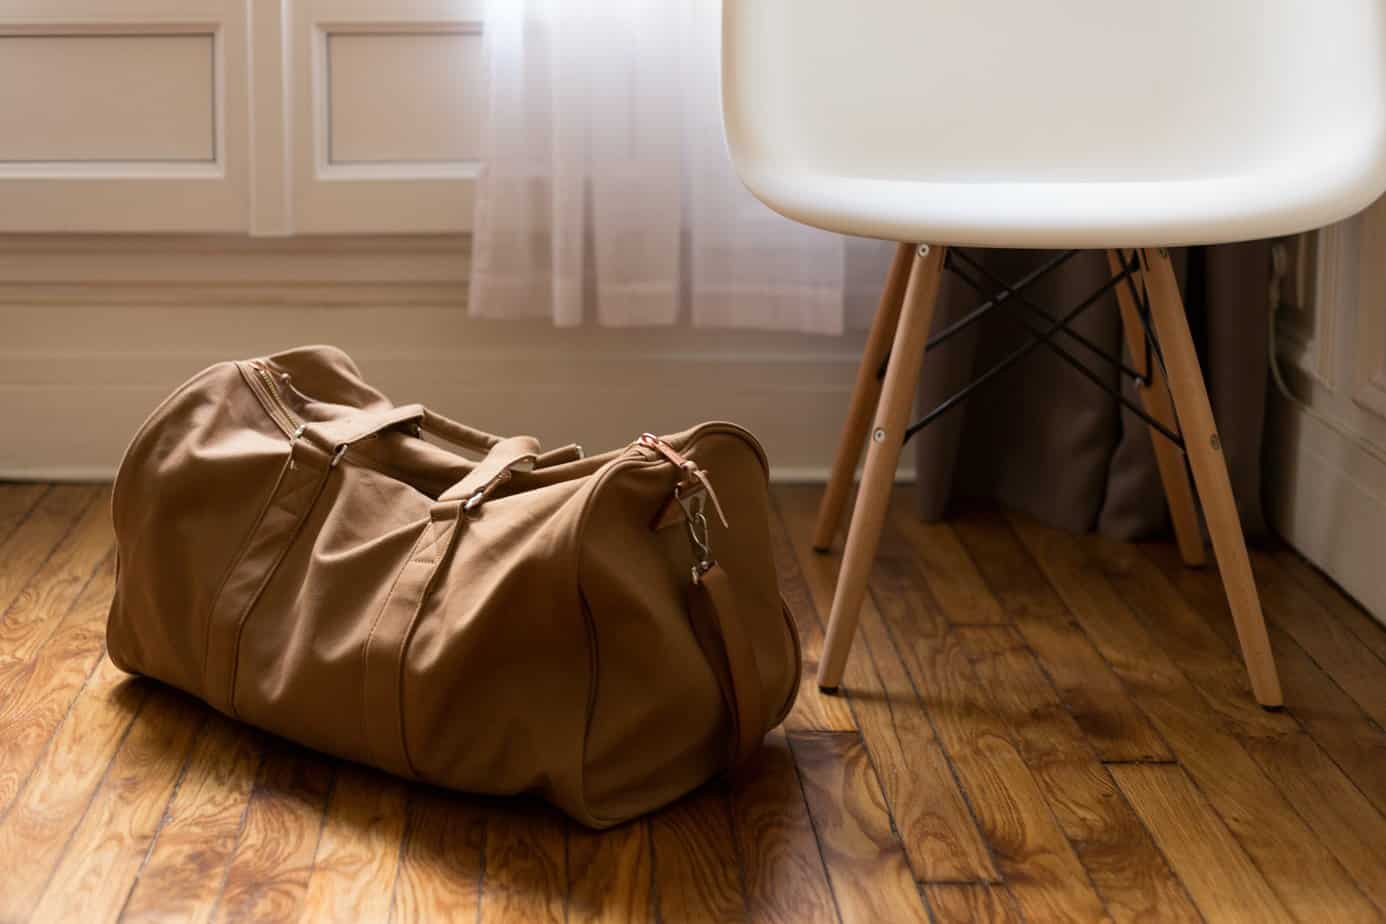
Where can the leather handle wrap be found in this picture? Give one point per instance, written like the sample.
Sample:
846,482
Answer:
720,633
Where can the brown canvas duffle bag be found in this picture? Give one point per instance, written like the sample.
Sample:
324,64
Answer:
305,556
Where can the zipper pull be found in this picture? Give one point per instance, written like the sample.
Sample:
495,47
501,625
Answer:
293,441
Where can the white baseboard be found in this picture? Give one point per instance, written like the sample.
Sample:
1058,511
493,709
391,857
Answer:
97,330
1328,500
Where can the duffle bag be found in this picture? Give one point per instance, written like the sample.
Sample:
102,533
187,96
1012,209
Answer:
305,556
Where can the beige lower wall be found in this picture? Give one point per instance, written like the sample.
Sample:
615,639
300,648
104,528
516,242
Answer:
94,331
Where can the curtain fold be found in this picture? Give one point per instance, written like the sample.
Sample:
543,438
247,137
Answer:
607,192
1043,440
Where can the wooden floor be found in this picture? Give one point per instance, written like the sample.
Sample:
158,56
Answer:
1037,727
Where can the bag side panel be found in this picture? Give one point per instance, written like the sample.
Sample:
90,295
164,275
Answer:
299,658
189,490
660,727
495,679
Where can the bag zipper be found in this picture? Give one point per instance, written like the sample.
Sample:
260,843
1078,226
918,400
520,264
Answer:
264,385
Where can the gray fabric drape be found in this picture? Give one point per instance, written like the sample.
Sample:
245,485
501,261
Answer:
1044,440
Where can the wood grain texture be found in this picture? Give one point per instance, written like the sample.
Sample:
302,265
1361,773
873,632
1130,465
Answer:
1351,664
1336,722
36,825
44,688
882,457
697,873
1002,671
1128,871
357,859
813,710
440,874
1203,448
36,612
940,836
948,569
1222,880
971,903
785,879
1328,595
866,864
865,395
1101,705
187,862
1008,801
610,874
267,879
33,539
1183,635
1310,882
526,866
108,848
16,501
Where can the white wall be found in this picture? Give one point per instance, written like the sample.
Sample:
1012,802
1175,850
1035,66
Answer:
95,330
1327,471
282,173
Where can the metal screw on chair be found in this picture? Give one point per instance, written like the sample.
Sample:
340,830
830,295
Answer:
878,435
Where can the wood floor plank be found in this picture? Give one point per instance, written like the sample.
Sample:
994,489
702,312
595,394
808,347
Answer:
1309,880
1342,817
1132,877
267,879
45,688
1332,717
610,874
16,502
357,859
813,710
1332,598
441,870
1100,703
940,836
1185,637
1031,851
188,860
1221,878
785,879
30,545
950,572
1336,648
58,582
35,828
866,864
697,877
1338,812
99,866
526,866
971,903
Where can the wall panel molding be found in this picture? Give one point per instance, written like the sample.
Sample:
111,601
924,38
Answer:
147,116
384,191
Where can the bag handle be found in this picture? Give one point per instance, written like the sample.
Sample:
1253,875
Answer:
722,636
516,453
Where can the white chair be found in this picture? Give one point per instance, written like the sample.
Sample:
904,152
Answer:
1087,124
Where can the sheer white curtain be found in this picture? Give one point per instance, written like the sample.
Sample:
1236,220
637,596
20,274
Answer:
607,193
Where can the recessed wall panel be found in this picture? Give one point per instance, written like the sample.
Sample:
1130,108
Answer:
100,97
404,97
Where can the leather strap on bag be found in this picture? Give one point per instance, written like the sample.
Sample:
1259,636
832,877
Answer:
712,608
516,452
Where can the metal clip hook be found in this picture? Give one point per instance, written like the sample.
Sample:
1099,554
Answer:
698,538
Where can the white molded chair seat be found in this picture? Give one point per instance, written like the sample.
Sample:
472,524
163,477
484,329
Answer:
1089,123
1073,124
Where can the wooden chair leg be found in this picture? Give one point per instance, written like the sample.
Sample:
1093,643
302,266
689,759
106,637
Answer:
882,456
1204,450
1174,475
865,395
